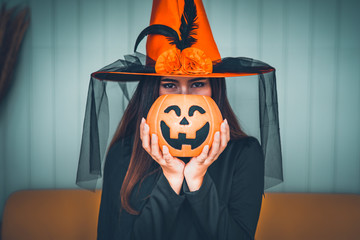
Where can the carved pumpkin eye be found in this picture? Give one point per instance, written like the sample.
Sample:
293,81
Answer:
195,108
184,135
176,109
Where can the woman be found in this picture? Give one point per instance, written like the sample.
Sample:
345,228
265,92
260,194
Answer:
216,195
149,194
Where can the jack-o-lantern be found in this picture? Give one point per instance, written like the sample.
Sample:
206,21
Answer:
184,123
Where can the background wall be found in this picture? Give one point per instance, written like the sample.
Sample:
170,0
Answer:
314,45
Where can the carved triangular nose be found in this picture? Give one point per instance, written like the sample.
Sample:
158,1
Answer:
184,122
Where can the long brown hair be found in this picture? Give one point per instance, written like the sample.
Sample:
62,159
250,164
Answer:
144,96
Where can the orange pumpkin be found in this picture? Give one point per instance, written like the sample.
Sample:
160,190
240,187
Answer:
184,123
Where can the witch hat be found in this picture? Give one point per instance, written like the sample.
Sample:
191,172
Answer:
180,42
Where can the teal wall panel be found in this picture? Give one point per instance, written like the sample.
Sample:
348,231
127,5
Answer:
323,82
67,119
347,141
296,99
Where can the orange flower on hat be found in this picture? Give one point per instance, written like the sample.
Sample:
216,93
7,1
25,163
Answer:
195,61
169,62
189,61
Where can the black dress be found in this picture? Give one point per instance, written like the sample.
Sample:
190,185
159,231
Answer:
226,206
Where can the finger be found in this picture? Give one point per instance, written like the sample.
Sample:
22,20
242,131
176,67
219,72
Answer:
155,150
204,154
146,138
227,129
215,147
142,127
224,137
166,154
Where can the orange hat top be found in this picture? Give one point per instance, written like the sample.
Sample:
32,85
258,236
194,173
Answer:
179,33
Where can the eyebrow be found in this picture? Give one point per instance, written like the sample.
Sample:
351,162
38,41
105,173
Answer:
191,80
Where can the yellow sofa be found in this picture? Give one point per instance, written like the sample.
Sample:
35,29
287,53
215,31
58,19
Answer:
72,214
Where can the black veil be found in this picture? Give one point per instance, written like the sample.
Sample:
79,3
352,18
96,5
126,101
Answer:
110,90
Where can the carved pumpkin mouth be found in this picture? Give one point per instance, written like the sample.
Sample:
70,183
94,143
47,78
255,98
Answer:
201,136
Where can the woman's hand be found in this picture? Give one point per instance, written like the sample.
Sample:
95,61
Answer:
173,168
196,168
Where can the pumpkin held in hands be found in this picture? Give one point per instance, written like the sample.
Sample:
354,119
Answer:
184,123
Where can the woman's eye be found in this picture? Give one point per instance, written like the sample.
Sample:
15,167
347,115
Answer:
168,85
198,84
